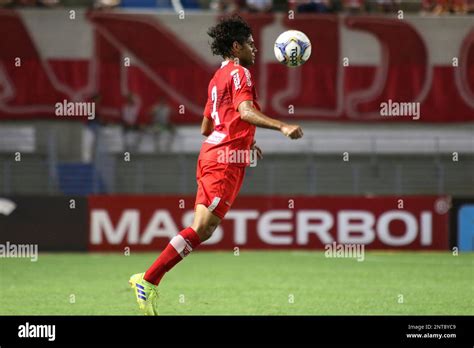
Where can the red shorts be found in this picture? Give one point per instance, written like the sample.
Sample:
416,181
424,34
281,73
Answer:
218,185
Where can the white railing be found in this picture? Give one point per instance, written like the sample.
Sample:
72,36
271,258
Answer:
319,141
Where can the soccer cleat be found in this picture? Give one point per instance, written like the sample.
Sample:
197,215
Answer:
146,294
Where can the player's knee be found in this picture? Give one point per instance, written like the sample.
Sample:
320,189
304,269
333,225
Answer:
209,230
205,231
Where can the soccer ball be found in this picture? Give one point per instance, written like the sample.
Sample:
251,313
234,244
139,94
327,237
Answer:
292,48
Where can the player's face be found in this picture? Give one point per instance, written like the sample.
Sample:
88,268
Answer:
247,52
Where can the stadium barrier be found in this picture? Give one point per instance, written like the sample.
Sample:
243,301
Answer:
274,222
114,223
51,223
462,224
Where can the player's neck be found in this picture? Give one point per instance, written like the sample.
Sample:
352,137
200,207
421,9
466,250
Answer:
235,60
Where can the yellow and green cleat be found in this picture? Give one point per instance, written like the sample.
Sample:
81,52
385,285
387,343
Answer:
145,293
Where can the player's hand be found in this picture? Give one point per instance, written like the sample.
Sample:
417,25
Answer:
258,150
292,131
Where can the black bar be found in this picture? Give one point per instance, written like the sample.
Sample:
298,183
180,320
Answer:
225,330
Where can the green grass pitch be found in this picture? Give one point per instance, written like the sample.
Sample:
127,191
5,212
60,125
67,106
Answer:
253,283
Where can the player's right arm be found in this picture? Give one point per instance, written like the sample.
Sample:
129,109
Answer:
243,102
252,115
207,126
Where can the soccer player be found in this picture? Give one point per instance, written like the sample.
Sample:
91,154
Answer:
230,117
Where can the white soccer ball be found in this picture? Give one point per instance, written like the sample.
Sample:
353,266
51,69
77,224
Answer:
292,48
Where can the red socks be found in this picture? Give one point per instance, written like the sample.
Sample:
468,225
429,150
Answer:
179,247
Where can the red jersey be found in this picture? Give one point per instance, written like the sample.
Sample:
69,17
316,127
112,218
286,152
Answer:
230,85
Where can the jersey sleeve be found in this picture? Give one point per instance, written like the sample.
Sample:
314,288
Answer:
242,88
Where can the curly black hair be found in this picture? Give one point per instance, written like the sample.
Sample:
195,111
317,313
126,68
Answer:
228,30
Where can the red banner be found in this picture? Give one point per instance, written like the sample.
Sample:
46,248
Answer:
124,61
149,222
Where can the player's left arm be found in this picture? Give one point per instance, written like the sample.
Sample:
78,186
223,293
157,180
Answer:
207,126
